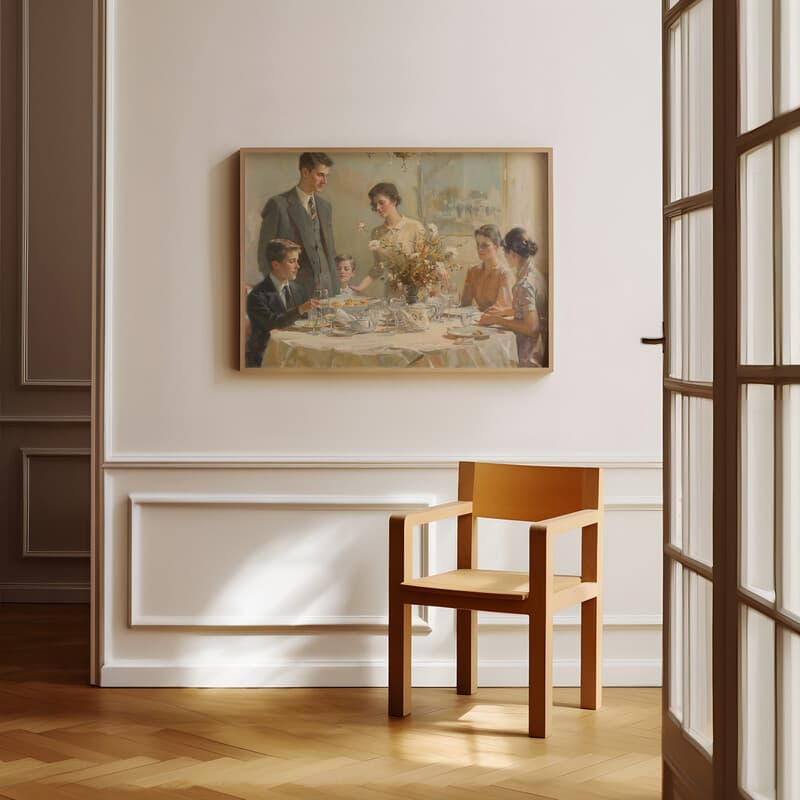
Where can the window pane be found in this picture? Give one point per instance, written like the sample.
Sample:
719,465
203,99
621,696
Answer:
699,106
700,296
676,292
758,490
676,641
789,722
790,563
755,63
756,312
757,768
690,120
790,240
677,433
698,488
691,296
676,113
691,475
699,722
789,57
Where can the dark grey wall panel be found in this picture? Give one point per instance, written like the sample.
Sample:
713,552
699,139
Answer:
55,503
45,298
56,190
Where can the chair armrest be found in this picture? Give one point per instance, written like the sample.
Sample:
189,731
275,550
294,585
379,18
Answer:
458,508
401,527
567,522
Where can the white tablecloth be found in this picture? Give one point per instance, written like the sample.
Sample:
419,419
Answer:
421,350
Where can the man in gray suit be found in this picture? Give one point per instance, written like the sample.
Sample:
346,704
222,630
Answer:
302,216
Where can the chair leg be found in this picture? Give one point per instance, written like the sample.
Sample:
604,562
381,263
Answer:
540,673
591,653
466,652
399,659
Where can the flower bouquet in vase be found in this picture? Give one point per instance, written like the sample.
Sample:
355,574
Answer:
424,265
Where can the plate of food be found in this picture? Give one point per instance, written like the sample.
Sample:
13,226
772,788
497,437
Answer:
343,301
466,332
304,324
462,332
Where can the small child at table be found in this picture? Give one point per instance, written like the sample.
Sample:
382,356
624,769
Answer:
346,270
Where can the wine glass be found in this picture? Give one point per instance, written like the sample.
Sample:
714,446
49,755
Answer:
449,298
322,297
396,303
329,314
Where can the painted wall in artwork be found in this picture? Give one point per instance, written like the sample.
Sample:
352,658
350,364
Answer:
508,188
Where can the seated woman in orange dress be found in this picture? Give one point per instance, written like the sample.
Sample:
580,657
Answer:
489,283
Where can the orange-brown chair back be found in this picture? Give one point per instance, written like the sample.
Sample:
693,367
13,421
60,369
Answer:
529,493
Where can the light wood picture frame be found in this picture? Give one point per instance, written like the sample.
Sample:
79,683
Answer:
432,260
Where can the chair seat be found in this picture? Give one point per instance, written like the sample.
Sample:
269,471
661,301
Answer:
500,585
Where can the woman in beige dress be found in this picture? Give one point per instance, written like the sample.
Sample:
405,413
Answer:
489,283
395,231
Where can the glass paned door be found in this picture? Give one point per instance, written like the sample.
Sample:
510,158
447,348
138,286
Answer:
732,399
688,395
768,382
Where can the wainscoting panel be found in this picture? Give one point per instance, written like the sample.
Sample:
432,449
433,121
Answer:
275,575
55,502
44,540
55,335
274,569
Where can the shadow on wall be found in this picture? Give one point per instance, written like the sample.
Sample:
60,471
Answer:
310,577
223,262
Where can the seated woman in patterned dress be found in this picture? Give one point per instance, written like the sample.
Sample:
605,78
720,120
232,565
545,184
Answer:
527,316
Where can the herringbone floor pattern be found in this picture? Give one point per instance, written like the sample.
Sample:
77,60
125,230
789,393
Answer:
63,740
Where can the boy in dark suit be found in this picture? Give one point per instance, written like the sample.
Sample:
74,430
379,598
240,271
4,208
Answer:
278,301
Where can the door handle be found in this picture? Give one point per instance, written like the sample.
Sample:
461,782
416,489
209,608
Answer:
654,339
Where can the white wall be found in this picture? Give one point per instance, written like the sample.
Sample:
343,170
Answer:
191,82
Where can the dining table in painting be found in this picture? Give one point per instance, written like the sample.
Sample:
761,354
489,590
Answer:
434,347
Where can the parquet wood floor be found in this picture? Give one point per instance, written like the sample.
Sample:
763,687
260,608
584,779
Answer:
61,739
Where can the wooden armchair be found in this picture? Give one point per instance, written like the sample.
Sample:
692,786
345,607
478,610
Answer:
554,500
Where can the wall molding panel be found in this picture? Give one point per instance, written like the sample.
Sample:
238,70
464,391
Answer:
25,419
207,461
29,453
233,503
44,592
26,379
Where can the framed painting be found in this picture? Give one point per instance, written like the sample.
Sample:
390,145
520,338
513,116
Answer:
438,260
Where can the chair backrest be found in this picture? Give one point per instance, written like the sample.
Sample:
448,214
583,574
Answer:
528,493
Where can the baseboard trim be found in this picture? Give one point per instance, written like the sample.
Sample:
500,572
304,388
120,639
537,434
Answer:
616,672
44,592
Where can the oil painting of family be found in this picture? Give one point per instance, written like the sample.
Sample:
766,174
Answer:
390,259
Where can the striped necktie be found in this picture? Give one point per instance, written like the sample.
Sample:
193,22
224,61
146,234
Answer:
287,296
312,211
